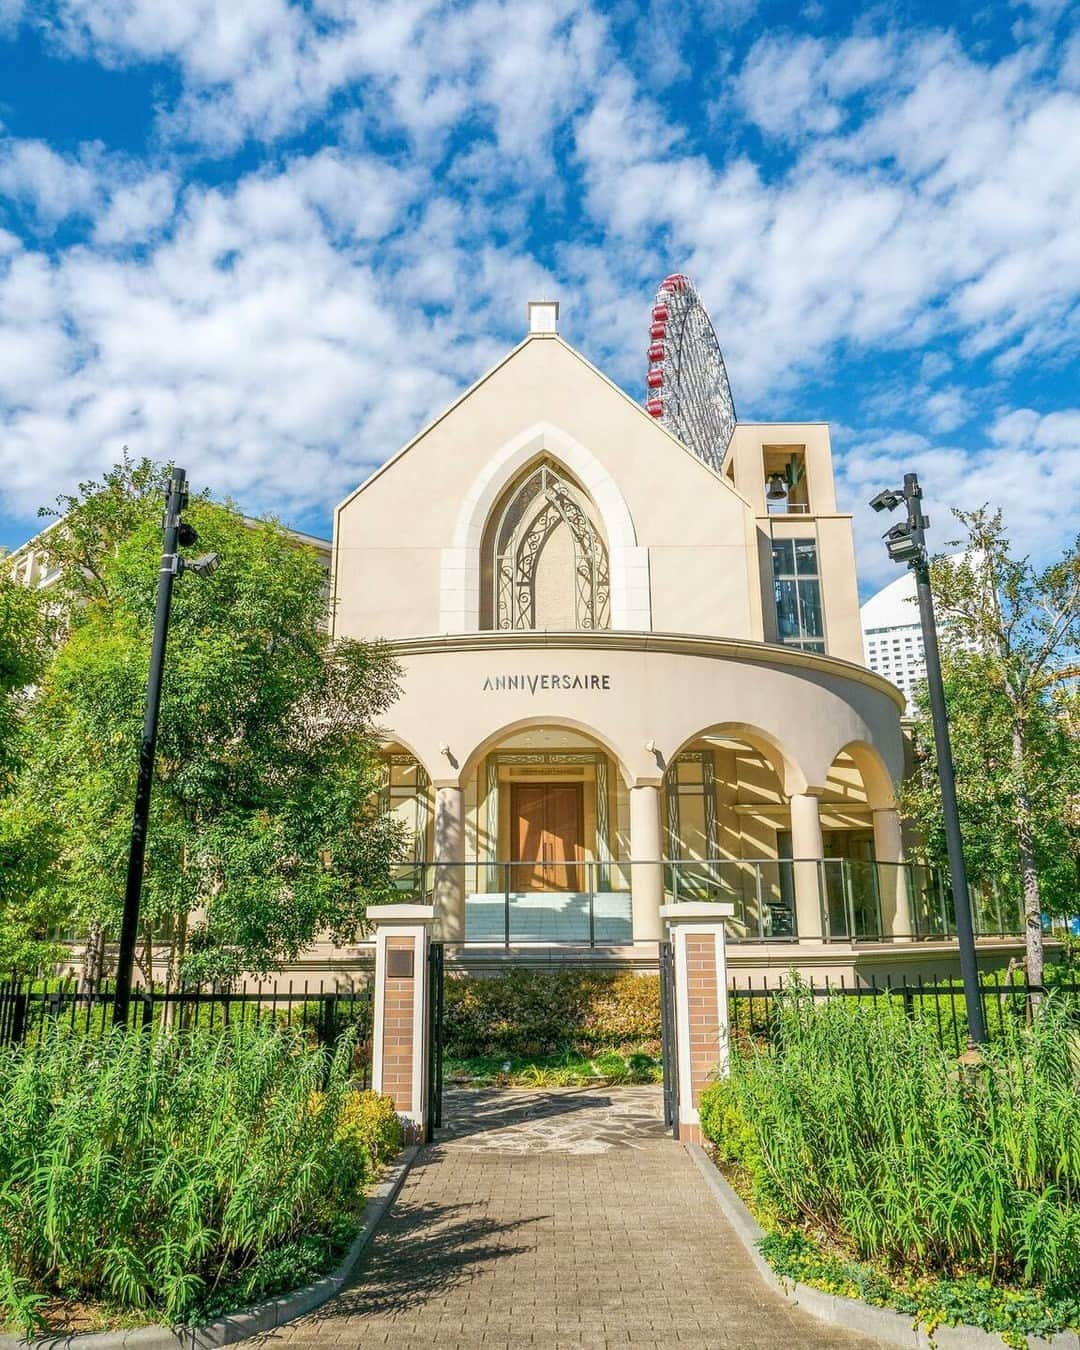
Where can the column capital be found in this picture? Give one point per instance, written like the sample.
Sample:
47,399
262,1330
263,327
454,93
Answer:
439,783
647,783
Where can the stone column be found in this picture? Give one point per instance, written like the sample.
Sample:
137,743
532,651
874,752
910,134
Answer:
646,866
400,1049
892,880
701,1003
448,891
806,844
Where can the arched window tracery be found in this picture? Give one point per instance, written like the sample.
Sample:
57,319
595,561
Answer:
546,563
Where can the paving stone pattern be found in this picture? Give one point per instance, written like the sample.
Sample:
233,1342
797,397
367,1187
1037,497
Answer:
557,1218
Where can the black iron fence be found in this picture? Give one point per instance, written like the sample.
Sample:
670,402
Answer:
1005,998
322,1010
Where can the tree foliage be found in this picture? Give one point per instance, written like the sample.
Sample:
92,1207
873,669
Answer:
1010,646
263,826
26,912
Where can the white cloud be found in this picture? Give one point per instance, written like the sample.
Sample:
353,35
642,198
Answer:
1028,464
274,340
54,185
790,86
263,69
950,212
136,211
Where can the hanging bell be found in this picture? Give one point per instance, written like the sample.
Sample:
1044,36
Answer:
777,487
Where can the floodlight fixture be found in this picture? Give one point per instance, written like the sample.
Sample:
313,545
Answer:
902,544
204,566
887,500
906,543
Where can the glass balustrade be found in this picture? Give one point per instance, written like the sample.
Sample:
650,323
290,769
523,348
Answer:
522,903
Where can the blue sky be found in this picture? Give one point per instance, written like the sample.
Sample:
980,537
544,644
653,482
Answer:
269,240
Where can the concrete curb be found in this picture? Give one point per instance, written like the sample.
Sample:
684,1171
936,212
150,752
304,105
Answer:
851,1313
260,1317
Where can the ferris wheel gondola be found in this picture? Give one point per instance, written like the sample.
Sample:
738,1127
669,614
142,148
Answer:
686,385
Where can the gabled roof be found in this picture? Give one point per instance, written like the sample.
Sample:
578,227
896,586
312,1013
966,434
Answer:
467,393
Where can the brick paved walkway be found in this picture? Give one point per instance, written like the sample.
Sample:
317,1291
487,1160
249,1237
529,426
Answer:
564,1218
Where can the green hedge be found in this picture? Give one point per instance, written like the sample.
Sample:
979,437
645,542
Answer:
529,1014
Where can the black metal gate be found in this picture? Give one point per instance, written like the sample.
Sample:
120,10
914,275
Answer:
435,1045
668,1038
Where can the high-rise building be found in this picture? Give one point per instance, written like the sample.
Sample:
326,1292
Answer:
892,635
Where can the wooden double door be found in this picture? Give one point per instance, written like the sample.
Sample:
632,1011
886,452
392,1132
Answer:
547,827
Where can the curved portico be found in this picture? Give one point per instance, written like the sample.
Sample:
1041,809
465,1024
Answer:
746,736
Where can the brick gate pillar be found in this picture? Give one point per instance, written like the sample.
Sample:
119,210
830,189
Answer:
701,1002
400,1033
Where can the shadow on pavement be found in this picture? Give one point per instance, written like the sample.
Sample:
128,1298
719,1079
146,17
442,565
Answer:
474,1110
423,1251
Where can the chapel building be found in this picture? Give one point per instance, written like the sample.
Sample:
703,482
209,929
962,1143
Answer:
629,675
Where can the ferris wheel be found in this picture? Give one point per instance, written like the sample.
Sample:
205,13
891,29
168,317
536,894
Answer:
687,384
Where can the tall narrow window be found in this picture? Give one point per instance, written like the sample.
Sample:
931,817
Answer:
798,594
546,562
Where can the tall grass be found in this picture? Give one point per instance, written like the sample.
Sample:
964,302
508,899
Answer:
171,1172
859,1125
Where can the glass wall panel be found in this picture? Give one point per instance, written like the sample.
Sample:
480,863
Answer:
797,592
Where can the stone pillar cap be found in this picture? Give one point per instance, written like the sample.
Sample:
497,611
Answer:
696,911
403,914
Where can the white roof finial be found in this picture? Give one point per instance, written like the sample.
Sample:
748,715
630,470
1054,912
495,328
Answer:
543,316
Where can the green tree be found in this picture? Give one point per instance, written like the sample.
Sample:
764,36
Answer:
1010,637
26,911
264,831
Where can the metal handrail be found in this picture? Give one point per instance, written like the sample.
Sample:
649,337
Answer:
768,893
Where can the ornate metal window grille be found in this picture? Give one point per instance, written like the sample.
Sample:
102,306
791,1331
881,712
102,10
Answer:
544,501
705,788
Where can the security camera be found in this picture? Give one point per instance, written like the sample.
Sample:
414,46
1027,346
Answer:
888,500
203,566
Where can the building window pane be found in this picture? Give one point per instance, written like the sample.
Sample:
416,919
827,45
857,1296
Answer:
810,608
787,610
806,557
797,588
783,558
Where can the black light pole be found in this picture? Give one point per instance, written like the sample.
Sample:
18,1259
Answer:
175,534
906,542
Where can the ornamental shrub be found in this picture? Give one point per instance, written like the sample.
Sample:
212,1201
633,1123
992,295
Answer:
369,1125
159,1173
857,1125
531,1014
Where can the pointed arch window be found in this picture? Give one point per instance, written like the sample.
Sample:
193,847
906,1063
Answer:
546,560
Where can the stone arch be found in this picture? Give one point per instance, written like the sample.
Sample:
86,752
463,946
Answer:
783,763
877,781
460,572
388,737
492,740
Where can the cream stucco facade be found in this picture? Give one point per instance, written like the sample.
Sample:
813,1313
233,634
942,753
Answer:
627,677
